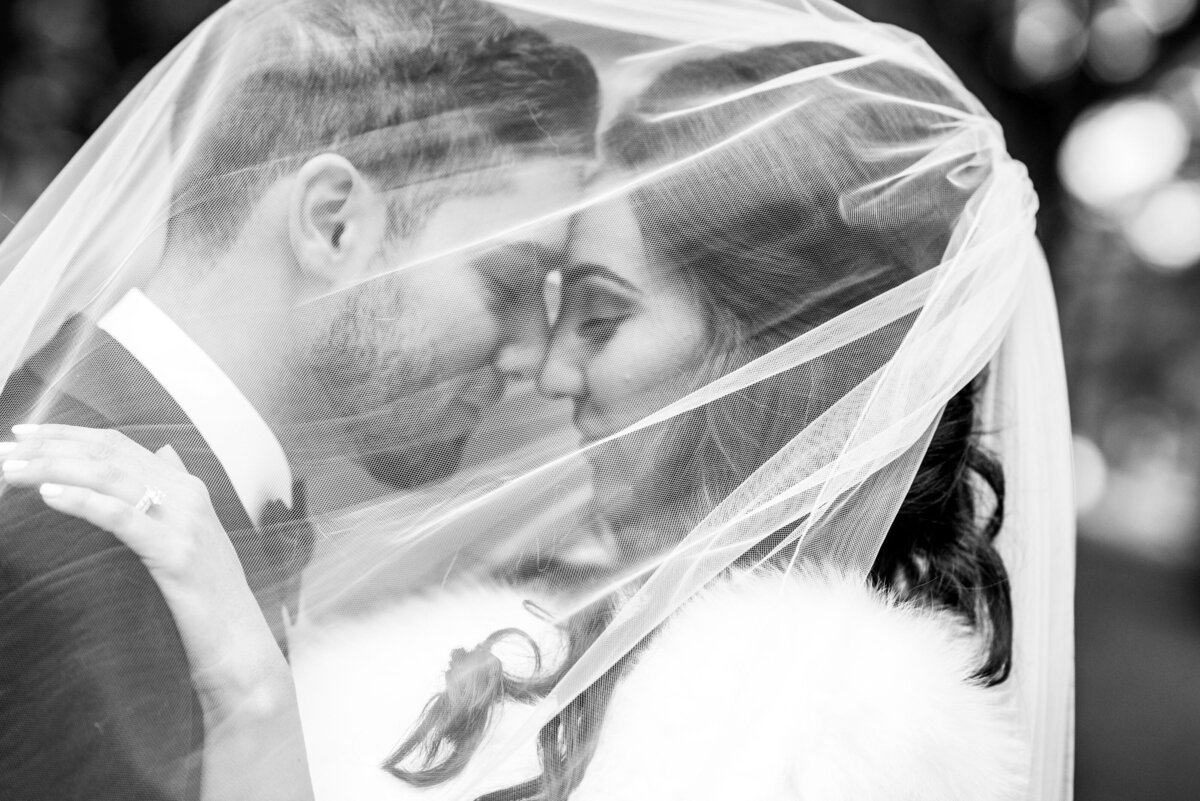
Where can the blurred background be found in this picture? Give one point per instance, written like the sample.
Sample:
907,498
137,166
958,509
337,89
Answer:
1101,99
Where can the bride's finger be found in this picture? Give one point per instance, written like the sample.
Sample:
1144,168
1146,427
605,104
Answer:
38,447
99,444
106,477
168,455
28,431
104,511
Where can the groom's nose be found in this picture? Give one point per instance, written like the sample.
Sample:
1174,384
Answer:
522,346
519,359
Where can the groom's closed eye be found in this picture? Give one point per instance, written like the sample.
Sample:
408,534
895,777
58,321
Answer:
513,274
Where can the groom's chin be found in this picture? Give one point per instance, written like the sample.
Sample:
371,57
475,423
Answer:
416,466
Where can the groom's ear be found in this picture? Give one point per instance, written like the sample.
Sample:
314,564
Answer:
336,220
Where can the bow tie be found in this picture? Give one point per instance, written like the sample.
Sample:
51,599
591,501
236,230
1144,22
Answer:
274,556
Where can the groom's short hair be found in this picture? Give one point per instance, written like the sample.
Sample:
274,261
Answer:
420,95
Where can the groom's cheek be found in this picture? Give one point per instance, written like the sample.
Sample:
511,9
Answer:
461,310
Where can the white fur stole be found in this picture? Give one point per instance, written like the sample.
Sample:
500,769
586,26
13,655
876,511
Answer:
811,688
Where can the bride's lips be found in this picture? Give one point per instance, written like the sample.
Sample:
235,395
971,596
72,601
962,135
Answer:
590,424
588,434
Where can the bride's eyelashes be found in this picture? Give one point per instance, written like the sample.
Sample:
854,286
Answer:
598,307
600,329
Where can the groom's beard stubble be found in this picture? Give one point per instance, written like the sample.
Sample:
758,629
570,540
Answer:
406,424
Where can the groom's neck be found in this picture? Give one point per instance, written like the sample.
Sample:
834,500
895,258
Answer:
238,318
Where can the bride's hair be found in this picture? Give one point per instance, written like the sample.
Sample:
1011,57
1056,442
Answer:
420,96
758,235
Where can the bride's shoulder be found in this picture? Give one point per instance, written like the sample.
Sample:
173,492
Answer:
809,687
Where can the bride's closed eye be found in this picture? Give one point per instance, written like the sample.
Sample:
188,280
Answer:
596,303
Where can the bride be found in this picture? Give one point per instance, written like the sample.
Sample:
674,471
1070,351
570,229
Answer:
801,292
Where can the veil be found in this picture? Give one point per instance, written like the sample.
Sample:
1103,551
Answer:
821,195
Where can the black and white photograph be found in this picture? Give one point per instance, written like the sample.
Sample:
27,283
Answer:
599,400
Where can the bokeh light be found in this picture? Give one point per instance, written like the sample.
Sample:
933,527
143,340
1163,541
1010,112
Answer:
1163,16
1049,40
1123,150
1165,232
1091,473
1148,504
1122,46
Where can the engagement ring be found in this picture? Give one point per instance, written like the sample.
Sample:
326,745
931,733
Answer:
152,497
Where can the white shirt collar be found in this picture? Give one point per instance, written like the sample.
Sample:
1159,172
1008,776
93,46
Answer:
240,439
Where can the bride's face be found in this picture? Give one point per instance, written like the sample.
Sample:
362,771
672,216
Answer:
628,340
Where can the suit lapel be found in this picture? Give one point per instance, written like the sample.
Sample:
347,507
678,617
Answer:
87,365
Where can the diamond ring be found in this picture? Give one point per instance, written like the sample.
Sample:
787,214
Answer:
152,497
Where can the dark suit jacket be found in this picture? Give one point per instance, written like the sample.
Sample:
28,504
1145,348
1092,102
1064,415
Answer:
95,696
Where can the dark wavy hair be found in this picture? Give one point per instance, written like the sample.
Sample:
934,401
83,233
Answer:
759,236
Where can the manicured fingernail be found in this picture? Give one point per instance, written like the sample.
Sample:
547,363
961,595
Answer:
14,465
50,490
24,429
7,447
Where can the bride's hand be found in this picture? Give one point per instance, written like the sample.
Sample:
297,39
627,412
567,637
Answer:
100,476
253,741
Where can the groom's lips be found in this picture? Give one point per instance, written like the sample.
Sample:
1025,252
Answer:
472,401
484,392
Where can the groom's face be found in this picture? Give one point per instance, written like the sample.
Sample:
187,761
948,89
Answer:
416,356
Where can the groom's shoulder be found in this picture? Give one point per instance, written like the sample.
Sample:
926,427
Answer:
28,528
37,390
33,538
37,542
30,397
94,684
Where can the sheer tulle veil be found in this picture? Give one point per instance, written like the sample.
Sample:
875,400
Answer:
910,267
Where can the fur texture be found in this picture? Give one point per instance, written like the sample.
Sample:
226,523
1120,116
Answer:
765,687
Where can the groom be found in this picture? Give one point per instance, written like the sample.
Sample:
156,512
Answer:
278,305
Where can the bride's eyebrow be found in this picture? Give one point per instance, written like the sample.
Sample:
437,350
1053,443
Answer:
582,270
